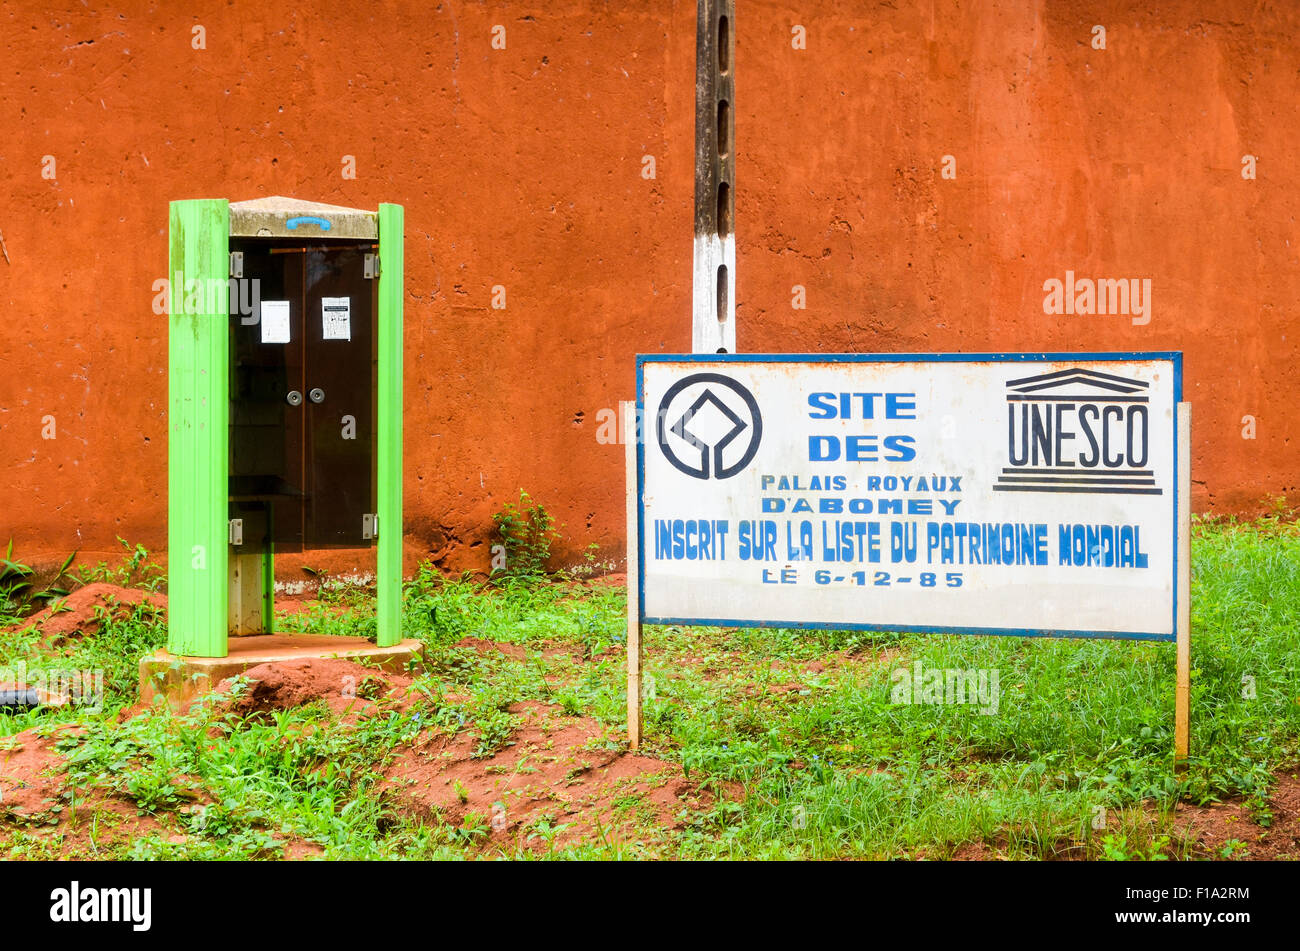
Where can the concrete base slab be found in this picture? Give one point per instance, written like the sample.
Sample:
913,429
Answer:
182,679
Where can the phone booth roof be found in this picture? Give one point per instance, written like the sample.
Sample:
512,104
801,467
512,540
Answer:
279,217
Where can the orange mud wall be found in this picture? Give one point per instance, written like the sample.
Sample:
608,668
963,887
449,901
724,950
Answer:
525,168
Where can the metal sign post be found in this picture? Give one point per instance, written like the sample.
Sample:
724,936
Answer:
713,282
634,654
1183,686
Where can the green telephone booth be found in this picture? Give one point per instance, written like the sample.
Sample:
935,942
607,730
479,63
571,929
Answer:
285,406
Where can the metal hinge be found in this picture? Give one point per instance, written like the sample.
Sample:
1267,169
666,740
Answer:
370,526
371,267
236,263
235,531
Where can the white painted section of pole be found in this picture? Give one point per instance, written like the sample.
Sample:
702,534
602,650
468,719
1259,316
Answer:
713,317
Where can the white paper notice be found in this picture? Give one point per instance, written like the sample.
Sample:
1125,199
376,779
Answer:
336,318
275,321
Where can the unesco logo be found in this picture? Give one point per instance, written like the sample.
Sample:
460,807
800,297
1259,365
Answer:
714,420
1078,431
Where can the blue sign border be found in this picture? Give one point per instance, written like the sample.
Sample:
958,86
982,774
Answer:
1174,356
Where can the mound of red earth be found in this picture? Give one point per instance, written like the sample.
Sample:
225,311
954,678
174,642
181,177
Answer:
32,781
80,612
557,772
346,687
30,776
568,771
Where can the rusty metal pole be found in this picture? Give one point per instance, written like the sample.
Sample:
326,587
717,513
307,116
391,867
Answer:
713,301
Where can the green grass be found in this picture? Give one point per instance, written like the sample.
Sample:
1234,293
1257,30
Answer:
797,726
114,655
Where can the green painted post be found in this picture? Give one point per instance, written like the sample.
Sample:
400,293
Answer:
389,555
268,590
197,421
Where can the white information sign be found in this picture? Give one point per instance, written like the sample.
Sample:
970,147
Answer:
963,493
275,321
336,318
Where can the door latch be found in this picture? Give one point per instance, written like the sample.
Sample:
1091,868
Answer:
370,526
235,530
371,267
236,263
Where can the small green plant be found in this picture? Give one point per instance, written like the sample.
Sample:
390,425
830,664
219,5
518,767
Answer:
570,703
461,792
18,594
588,567
1261,810
371,688
1232,848
472,828
545,830
1115,848
135,571
495,728
344,591
527,530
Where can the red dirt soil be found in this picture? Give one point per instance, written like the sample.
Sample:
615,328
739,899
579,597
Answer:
566,767
346,687
1212,826
31,784
77,613
567,770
